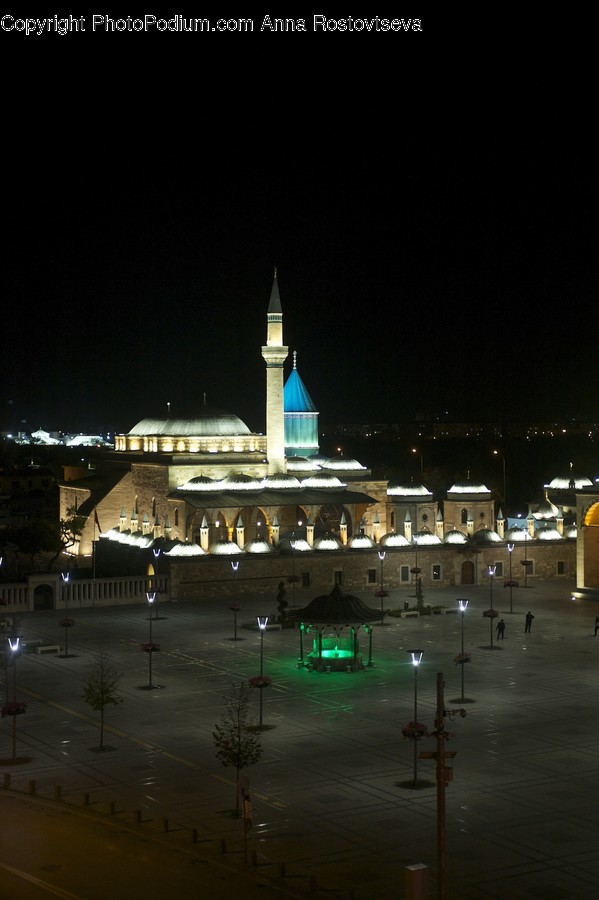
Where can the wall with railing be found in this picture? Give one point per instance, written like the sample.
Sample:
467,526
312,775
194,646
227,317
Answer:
51,591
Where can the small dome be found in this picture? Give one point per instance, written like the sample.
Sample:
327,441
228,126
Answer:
186,549
328,542
225,548
571,532
486,536
360,542
322,480
394,540
395,489
455,537
546,510
294,545
258,545
469,487
301,464
547,533
570,482
516,534
426,539
341,463
240,482
200,483
280,481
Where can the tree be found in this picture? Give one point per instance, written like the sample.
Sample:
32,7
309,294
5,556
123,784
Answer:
41,536
100,688
236,744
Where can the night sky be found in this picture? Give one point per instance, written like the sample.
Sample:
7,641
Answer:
436,257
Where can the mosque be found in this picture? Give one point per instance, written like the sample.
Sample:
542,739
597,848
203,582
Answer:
205,497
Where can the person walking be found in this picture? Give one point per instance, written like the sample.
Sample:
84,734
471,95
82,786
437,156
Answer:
596,625
528,625
500,630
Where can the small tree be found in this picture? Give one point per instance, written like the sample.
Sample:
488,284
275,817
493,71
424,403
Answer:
100,688
236,744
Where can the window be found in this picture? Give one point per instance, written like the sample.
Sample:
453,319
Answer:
404,574
498,569
305,579
371,576
561,567
436,572
464,517
338,577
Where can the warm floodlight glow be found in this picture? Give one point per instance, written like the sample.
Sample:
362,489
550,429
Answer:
416,656
262,622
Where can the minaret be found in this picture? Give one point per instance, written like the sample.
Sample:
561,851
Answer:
275,354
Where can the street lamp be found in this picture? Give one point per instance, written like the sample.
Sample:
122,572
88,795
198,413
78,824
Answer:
150,597
14,645
419,452
510,548
497,453
294,577
416,659
462,606
67,622
382,591
156,551
491,573
262,623
235,605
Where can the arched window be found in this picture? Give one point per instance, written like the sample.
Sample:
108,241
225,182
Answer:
464,517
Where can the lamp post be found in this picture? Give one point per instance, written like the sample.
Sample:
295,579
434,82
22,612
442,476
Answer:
510,548
262,623
293,575
491,573
156,553
14,645
497,453
462,606
235,605
66,621
416,659
382,559
150,597
419,452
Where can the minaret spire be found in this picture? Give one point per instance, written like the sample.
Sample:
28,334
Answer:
274,354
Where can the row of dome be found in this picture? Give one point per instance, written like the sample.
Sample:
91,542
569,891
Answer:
328,542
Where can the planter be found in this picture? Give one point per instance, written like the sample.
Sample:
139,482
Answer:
150,647
13,709
414,730
260,681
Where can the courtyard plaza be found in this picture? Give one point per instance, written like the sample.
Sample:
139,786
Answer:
335,812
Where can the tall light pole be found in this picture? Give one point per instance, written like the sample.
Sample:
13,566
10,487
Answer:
462,606
510,548
491,573
150,597
235,605
382,559
156,552
14,645
67,622
419,452
498,453
416,659
262,623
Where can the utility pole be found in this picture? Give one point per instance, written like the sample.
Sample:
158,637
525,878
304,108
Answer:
444,776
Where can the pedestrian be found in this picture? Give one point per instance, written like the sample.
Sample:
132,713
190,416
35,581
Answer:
596,625
500,629
528,625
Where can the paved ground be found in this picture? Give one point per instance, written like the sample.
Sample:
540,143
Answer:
335,809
